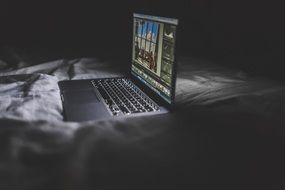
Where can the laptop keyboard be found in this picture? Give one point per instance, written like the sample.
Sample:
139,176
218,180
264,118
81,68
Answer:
122,96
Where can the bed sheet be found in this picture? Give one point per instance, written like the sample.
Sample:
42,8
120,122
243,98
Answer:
226,132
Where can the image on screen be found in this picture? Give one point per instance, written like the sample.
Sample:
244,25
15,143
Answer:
146,51
153,53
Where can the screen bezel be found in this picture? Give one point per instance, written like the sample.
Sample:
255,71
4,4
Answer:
151,93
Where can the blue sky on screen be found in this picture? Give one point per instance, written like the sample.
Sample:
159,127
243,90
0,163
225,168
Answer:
152,27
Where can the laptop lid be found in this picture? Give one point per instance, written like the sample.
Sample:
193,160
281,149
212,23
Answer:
153,56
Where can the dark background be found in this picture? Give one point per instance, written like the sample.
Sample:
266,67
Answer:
243,34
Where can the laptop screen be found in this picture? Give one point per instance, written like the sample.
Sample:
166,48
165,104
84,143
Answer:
153,53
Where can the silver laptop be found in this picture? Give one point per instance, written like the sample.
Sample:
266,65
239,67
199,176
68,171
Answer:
149,87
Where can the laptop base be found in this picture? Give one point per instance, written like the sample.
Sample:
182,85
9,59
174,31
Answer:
83,102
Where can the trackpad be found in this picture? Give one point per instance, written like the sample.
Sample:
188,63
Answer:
80,96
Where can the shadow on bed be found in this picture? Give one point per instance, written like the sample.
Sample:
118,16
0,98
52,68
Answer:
226,132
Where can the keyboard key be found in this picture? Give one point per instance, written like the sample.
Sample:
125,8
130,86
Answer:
136,111
123,109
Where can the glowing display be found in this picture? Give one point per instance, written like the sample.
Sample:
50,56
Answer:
153,53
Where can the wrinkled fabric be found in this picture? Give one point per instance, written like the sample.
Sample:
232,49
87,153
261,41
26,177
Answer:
32,92
226,128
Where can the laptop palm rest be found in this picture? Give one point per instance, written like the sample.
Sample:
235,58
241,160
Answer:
80,96
83,105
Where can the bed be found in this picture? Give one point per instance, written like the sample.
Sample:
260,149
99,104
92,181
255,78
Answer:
227,132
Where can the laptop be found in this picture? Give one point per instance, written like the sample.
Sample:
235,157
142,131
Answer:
148,89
